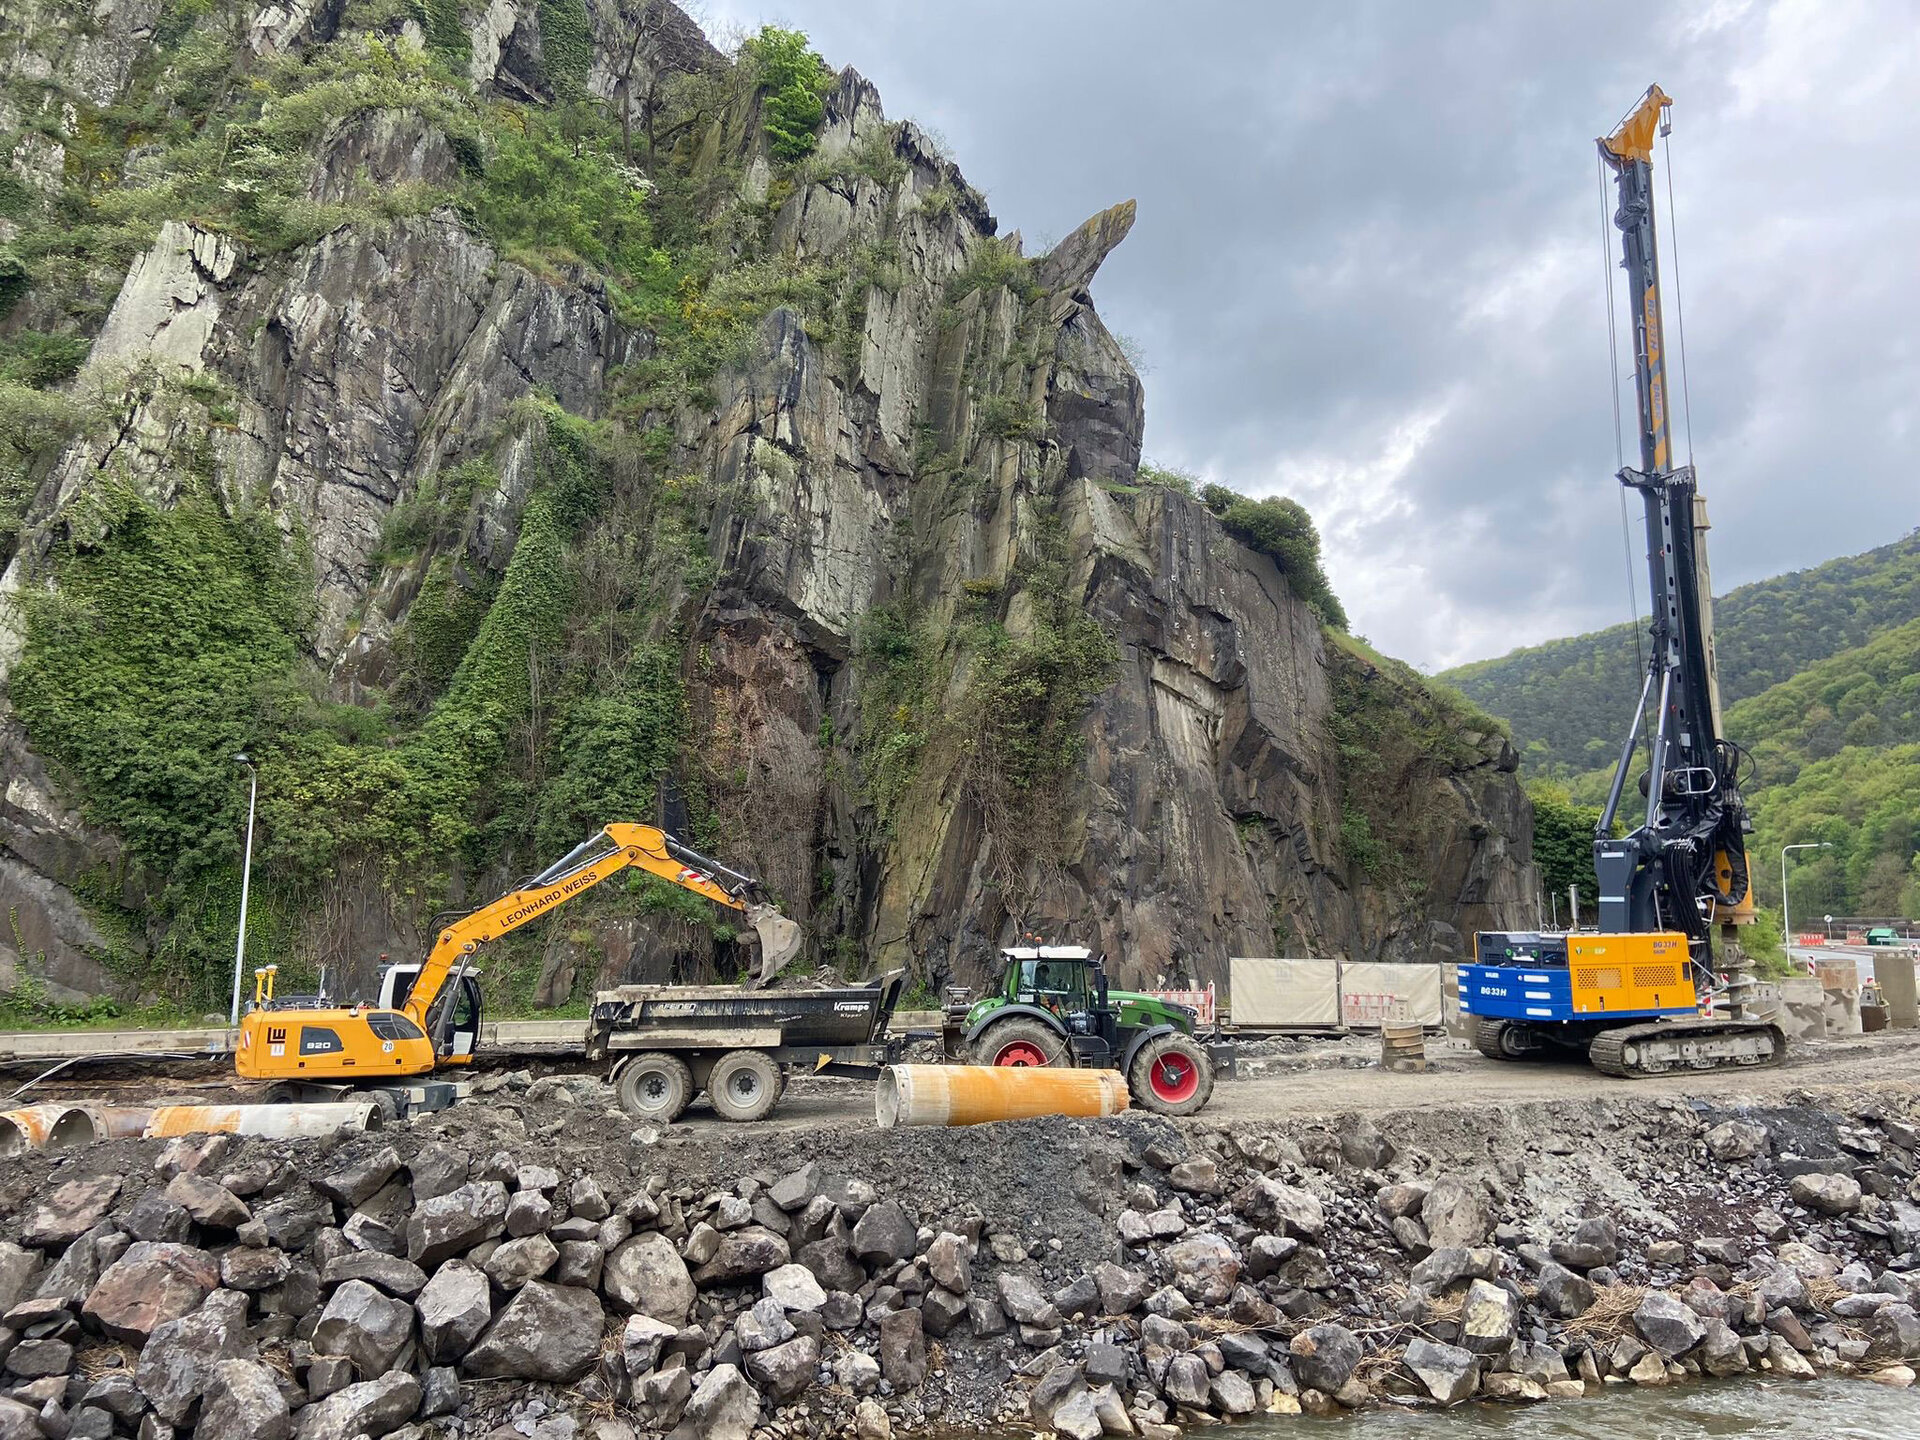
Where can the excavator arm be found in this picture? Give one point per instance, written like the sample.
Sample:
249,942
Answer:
614,849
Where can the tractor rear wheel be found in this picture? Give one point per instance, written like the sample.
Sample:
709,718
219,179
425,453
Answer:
1021,1042
1171,1076
744,1086
655,1086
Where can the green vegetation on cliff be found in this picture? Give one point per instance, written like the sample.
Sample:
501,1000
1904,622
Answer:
1282,530
1397,734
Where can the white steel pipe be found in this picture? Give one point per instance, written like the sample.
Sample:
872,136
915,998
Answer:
50,1126
116,1122
286,1122
973,1094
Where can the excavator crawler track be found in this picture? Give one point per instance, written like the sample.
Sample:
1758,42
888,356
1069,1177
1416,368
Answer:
1495,1039
1665,1047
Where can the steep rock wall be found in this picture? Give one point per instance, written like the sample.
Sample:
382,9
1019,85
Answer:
949,447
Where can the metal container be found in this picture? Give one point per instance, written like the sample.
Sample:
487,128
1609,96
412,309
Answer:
44,1127
974,1094
287,1122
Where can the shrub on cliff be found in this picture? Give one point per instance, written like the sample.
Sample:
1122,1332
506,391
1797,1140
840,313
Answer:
1282,530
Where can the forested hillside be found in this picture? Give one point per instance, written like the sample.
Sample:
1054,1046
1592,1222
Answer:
1569,701
1836,746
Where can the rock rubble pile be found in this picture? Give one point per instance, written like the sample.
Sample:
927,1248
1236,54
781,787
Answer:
408,1284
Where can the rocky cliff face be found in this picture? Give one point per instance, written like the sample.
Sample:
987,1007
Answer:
864,523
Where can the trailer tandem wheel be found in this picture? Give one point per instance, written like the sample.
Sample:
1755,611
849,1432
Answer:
744,1086
655,1086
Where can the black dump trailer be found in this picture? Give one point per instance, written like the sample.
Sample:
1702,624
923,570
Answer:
670,1042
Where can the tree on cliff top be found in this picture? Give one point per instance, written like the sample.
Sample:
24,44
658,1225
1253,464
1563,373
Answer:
795,82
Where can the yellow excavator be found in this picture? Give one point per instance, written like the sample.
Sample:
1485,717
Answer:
429,1015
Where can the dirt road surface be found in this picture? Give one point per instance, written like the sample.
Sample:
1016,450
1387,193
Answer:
1458,1078
1304,1081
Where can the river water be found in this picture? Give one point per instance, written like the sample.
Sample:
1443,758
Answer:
1828,1409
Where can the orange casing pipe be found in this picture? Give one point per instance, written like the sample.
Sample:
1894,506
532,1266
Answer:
974,1094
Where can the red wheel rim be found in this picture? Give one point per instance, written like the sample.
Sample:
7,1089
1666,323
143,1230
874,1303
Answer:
1021,1052
1174,1078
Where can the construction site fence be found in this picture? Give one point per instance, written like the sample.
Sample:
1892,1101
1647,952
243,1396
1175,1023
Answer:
1268,994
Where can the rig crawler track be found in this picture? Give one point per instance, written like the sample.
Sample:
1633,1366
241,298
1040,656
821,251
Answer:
1661,1047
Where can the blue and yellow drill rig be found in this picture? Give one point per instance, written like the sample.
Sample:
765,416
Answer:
1644,995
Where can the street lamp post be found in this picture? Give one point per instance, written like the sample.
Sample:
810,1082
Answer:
246,876
1786,915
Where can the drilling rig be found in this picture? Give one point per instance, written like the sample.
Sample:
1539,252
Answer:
1646,993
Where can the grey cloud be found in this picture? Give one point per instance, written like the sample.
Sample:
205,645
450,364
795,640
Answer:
1359,220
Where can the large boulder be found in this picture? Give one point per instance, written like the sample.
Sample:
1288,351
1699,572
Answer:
1455,1213
1449,1373
389,1272
744,1254
18,1269
373,1330
1668,1325
1564,1293
794,1287
762,1325
1825,1194
784,1370
1733,1140
884,1233
244,1403
152,1283
903,1348
372,1407
176,1365
1023,1299
208,1201
950,1262
1121,1289
646,1276
1280,1208
1324,1356
516,1262
1595,1242
547,1332
1489,1318
1205,1267
1893,1332
355,1174
70,1211
448,1224
454,1307
723,1407
292,1219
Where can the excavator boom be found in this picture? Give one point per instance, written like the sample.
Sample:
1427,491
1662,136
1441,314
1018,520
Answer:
330,1043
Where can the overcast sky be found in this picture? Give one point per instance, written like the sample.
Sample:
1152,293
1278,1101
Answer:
1367,270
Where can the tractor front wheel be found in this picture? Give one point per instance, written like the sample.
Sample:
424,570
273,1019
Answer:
1021,1042
1171,1076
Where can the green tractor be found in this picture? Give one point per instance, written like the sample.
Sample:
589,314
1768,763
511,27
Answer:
1051,1006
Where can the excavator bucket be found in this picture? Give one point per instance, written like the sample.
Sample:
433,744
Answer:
780,940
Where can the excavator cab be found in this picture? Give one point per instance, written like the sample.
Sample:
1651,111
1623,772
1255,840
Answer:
456,1035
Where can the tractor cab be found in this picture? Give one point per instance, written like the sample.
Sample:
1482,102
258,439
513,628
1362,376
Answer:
1051,1005
1069,985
